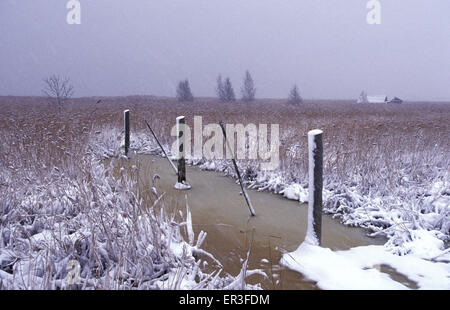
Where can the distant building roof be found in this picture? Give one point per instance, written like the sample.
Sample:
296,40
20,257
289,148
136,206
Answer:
364,98
377,99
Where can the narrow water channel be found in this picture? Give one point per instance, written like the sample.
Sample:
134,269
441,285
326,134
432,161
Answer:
218,209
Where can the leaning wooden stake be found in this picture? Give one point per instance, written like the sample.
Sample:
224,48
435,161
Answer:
314,233
126,117
247,199
180,156
162,149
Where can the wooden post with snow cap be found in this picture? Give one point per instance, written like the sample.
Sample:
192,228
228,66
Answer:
126,117
180,156
315,146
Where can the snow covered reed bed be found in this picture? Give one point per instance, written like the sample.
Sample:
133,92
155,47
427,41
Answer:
386,167
67,223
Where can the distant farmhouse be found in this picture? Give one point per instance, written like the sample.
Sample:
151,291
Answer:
396,100
364,98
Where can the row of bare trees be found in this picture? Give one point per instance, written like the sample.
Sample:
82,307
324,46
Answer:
59,89
225,91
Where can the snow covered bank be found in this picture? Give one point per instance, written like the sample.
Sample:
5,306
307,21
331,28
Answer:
365,268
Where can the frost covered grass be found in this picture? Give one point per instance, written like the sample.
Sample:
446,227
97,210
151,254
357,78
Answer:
386,168
67,222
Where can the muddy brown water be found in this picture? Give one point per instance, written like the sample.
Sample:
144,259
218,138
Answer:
218,209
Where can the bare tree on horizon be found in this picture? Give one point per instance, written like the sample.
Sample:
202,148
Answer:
294,96
228,90
184,91
248,89
58,89
224,90
220,91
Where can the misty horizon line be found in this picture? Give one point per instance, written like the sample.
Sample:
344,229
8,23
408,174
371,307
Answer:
197,98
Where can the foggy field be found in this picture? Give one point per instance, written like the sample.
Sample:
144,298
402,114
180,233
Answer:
386,168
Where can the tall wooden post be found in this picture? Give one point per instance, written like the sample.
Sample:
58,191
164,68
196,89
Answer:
180,146
314,233
181,140
126,116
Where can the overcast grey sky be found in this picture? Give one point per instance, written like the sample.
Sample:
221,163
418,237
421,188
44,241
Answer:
146,46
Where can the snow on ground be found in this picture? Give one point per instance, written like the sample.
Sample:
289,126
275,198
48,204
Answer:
361,268
371,267
182,186
295,192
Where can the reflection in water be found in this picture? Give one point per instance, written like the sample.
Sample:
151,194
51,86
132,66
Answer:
218,209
